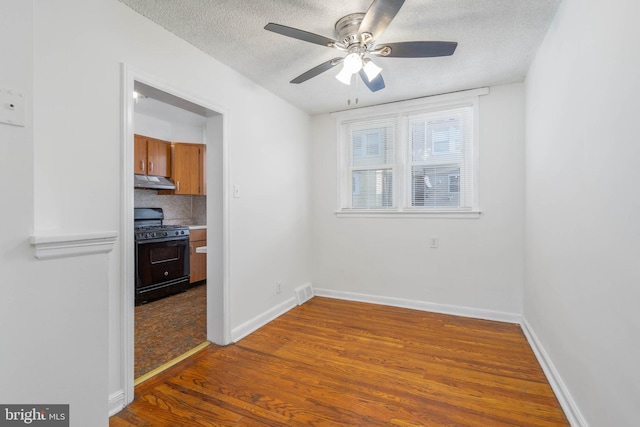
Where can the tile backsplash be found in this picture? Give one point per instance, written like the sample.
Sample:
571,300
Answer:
178,209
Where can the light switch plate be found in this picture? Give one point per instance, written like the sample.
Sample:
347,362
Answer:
12,107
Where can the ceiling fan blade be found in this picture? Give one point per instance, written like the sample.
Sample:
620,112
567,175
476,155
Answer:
378,17
300,35
416,49
374,85
317,70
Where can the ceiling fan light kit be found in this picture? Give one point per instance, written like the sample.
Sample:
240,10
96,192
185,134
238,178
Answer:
356,34
351,64
370,69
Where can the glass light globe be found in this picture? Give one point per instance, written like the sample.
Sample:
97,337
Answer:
351,64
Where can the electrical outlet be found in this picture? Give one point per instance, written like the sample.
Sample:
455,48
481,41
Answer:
278,287
434,242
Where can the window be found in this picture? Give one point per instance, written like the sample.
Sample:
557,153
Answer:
371,158
415,157
439,152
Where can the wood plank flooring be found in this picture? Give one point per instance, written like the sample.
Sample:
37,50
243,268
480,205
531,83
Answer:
338,363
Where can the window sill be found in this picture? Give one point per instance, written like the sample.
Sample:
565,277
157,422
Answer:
394,213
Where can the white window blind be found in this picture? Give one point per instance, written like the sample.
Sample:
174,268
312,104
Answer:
371,154
440,163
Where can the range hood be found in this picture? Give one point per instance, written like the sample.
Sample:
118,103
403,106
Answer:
153,182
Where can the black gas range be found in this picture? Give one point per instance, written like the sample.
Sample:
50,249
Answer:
162,256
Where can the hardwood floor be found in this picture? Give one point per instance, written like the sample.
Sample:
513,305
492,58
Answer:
331,362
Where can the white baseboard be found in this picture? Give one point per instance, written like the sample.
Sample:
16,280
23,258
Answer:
116,402
475,313
262,319
573,414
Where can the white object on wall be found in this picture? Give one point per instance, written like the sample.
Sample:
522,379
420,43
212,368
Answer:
12,107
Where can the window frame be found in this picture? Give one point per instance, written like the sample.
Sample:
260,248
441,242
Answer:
401,112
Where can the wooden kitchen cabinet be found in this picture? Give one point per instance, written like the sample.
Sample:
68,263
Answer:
139,155
197,238
151,156
188,169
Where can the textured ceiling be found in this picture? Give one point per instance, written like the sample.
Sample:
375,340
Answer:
497,40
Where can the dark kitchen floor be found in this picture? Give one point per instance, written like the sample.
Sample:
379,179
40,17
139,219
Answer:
168,328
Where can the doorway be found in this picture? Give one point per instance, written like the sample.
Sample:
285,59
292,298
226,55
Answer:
213,134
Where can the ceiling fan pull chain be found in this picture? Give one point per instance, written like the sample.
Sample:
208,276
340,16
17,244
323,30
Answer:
351,91
357,87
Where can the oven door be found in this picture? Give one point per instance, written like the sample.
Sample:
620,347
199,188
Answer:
161,263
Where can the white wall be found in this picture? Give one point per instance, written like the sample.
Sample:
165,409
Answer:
152,126
582,235
65,315
163,121
16,187
53,314
479,262
270,221
214,135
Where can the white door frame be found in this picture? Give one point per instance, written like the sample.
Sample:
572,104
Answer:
218,329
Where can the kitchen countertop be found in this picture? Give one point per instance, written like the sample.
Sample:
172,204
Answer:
197,227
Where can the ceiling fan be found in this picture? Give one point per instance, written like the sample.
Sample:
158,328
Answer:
356,34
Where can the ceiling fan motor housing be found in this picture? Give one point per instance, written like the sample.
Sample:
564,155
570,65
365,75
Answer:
347,29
